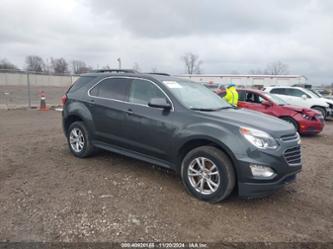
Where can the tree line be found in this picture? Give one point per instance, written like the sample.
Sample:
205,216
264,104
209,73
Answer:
36,63
192,65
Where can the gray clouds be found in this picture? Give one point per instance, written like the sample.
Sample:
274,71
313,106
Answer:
228,35
170,18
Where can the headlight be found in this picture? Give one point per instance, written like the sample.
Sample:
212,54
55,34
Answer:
306,117
260,139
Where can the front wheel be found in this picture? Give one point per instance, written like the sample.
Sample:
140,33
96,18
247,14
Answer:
208,174
321,110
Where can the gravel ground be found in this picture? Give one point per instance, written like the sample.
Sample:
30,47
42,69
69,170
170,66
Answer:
46,194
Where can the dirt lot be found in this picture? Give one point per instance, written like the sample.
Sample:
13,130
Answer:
48,195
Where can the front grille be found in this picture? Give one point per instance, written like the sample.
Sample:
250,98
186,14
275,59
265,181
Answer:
290,137
293,155
320,118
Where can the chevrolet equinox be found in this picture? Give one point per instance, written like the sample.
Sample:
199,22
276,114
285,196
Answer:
183,126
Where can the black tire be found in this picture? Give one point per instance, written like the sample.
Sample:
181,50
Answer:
291,121
87,148
321,110
224,167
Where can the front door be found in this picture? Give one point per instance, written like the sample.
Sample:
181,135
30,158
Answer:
150,130
255,101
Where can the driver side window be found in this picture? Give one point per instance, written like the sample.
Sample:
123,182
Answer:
253,98
296,93
142,91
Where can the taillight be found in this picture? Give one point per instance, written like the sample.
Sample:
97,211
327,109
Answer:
64,99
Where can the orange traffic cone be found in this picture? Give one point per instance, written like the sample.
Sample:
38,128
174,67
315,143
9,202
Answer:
43,106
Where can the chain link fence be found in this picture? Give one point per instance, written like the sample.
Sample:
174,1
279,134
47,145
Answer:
22,89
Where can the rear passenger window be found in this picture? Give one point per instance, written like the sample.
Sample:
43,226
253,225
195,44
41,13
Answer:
278,91
142,91
112,88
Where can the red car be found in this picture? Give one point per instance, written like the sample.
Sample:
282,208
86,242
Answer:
305,120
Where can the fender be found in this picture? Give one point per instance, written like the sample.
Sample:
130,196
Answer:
79,109
219,135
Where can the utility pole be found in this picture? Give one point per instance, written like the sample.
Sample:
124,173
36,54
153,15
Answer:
119,62
29,92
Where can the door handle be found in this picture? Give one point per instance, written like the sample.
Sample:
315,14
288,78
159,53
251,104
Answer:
92,101
129,111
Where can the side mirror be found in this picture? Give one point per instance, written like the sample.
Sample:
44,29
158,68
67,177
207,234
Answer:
266,103
159,103
304,97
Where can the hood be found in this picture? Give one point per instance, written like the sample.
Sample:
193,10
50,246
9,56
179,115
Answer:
323,102
307,111
329,101
293,108
247,118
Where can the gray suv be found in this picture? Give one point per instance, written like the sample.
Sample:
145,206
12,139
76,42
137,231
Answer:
183,126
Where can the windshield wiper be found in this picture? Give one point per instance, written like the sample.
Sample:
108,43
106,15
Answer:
202,109
228,107
209,109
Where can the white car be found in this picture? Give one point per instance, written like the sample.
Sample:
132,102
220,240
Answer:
299,96
328,101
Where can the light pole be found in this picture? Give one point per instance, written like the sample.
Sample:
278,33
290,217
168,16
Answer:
119,62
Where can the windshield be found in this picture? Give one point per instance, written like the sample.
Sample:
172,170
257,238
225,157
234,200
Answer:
316,93
311,93
275,99
196,96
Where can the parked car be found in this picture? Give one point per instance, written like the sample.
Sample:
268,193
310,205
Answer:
323,92
305,120
213,86
325,98
183,126
300,97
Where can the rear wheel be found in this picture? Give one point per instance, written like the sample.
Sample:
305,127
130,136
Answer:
208,174
321,110
291,121
79,140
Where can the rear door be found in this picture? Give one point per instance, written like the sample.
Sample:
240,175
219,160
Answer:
109,100
281,92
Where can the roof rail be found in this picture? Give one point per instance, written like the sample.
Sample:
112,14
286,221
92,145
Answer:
115,71
165,74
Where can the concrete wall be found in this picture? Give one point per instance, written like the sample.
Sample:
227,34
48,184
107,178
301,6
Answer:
20,79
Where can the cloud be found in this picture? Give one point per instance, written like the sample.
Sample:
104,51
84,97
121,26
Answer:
227,35
151,18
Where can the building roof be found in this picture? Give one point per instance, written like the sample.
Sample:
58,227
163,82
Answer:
241,75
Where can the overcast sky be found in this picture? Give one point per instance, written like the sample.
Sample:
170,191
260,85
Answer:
235,35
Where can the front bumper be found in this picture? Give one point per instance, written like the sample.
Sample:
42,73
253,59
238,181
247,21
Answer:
309,127
285,161
329,112
255,190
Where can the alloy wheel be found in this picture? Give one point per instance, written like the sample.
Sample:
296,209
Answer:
76,140
204,175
